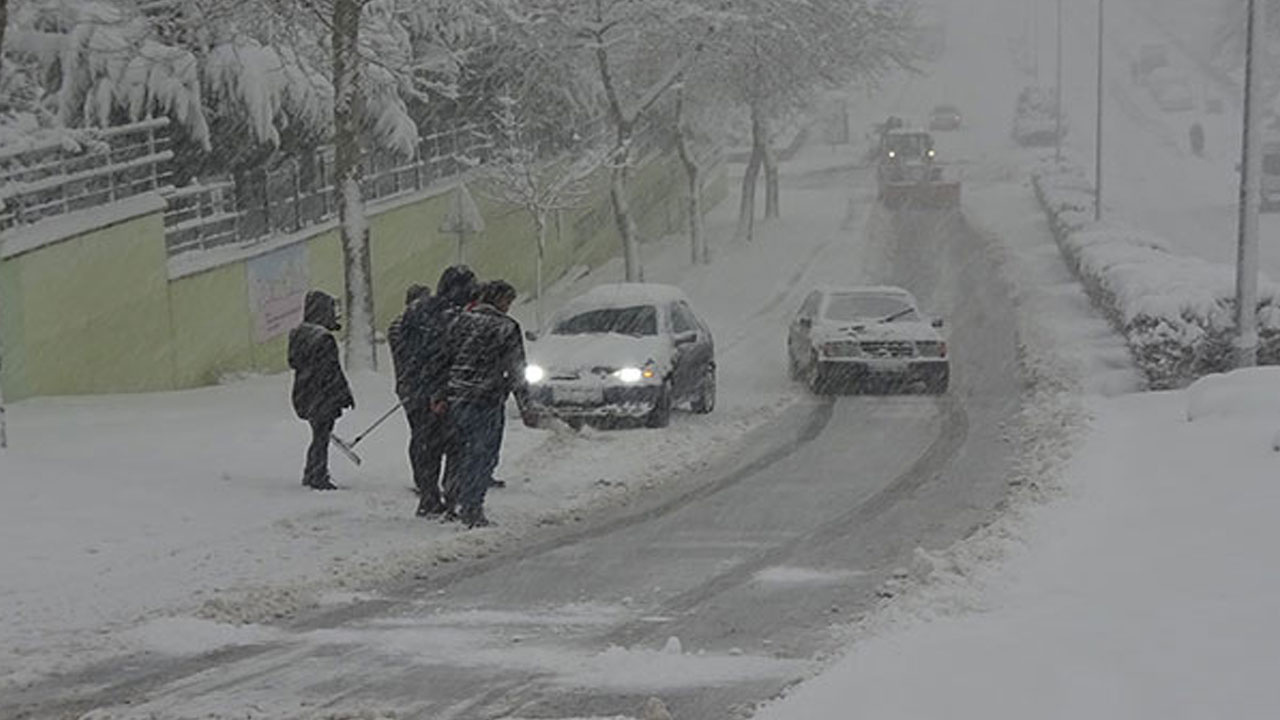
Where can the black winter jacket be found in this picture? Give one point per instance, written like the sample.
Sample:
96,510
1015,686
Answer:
486,360
320,389
420,350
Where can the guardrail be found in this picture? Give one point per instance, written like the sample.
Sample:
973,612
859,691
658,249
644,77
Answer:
299,192
102,167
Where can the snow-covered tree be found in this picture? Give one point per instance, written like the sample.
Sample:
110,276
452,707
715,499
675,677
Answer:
772,57
520,176
633,53
688,118
380,52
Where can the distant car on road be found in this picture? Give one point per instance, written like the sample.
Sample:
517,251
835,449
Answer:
1148,58
622,351
859,337
908,173
1270,172
1035,118
1171,90
945,117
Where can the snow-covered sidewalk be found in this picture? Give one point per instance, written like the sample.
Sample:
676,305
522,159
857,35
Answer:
118,514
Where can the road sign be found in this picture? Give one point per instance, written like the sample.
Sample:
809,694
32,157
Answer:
464,216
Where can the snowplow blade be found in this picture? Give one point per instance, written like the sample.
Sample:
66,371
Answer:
922,195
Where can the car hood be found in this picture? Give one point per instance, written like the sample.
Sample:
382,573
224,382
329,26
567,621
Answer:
876,331
584,353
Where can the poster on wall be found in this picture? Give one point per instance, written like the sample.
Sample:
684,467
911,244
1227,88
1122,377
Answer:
278,283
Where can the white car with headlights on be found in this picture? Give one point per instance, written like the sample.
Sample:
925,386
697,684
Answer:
866,337
623,351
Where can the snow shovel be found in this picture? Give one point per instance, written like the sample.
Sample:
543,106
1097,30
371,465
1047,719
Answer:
349,448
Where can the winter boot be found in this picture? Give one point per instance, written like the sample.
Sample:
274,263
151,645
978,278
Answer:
429,505
474,518
324,483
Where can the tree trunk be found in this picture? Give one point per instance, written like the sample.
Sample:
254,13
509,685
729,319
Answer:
747,207
697,238
626,226
540,220
620,159
772,208
353,225
4,22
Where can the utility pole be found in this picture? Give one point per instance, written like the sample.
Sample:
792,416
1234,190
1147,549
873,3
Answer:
1035,33
1250,195
1097,157
1057,144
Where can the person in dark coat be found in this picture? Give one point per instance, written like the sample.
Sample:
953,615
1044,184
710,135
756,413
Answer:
406,355
486,365
1197,138
320,389
424,331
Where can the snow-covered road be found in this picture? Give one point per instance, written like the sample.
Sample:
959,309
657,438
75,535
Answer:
749,563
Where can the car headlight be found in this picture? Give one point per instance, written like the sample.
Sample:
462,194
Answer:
932,348
632,374
534,374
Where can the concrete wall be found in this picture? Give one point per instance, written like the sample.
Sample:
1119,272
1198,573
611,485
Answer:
93,306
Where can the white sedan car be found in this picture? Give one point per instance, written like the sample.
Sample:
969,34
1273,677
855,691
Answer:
624,351
859,336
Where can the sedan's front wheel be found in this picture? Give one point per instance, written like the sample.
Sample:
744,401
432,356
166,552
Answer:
705,401
793,368
660,415
819,382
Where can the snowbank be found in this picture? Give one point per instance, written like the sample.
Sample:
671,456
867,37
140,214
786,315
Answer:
1177,313
1242,394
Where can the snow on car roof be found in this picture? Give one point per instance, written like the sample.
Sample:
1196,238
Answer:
892,290
627,295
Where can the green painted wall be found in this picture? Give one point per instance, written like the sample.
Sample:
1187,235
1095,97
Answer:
98,313
211,336
13,378
93,314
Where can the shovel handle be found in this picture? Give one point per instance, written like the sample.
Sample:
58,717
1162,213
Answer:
377,422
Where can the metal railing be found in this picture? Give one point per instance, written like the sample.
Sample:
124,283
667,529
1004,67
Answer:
299,192
103,167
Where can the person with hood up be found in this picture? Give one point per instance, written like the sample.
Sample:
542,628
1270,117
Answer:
320,389
424,330
486,365
406,356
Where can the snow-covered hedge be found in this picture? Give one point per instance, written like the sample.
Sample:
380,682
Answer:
1176,312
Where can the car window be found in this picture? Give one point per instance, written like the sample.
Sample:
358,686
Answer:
682,319
868,307
810,307
910,145
637,320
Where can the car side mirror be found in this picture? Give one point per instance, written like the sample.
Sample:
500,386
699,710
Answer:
686,337
530,335
938,323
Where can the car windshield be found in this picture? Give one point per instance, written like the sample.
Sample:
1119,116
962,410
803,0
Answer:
909,145
637,320
843,308
945,110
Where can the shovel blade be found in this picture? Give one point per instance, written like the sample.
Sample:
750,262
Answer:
345,448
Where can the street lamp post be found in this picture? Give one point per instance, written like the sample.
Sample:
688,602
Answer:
1097,158
1057,146
1250,196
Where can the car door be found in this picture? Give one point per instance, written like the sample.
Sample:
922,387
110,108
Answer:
798,338
687,371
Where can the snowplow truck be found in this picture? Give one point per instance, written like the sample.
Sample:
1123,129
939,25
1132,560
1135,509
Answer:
909,175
